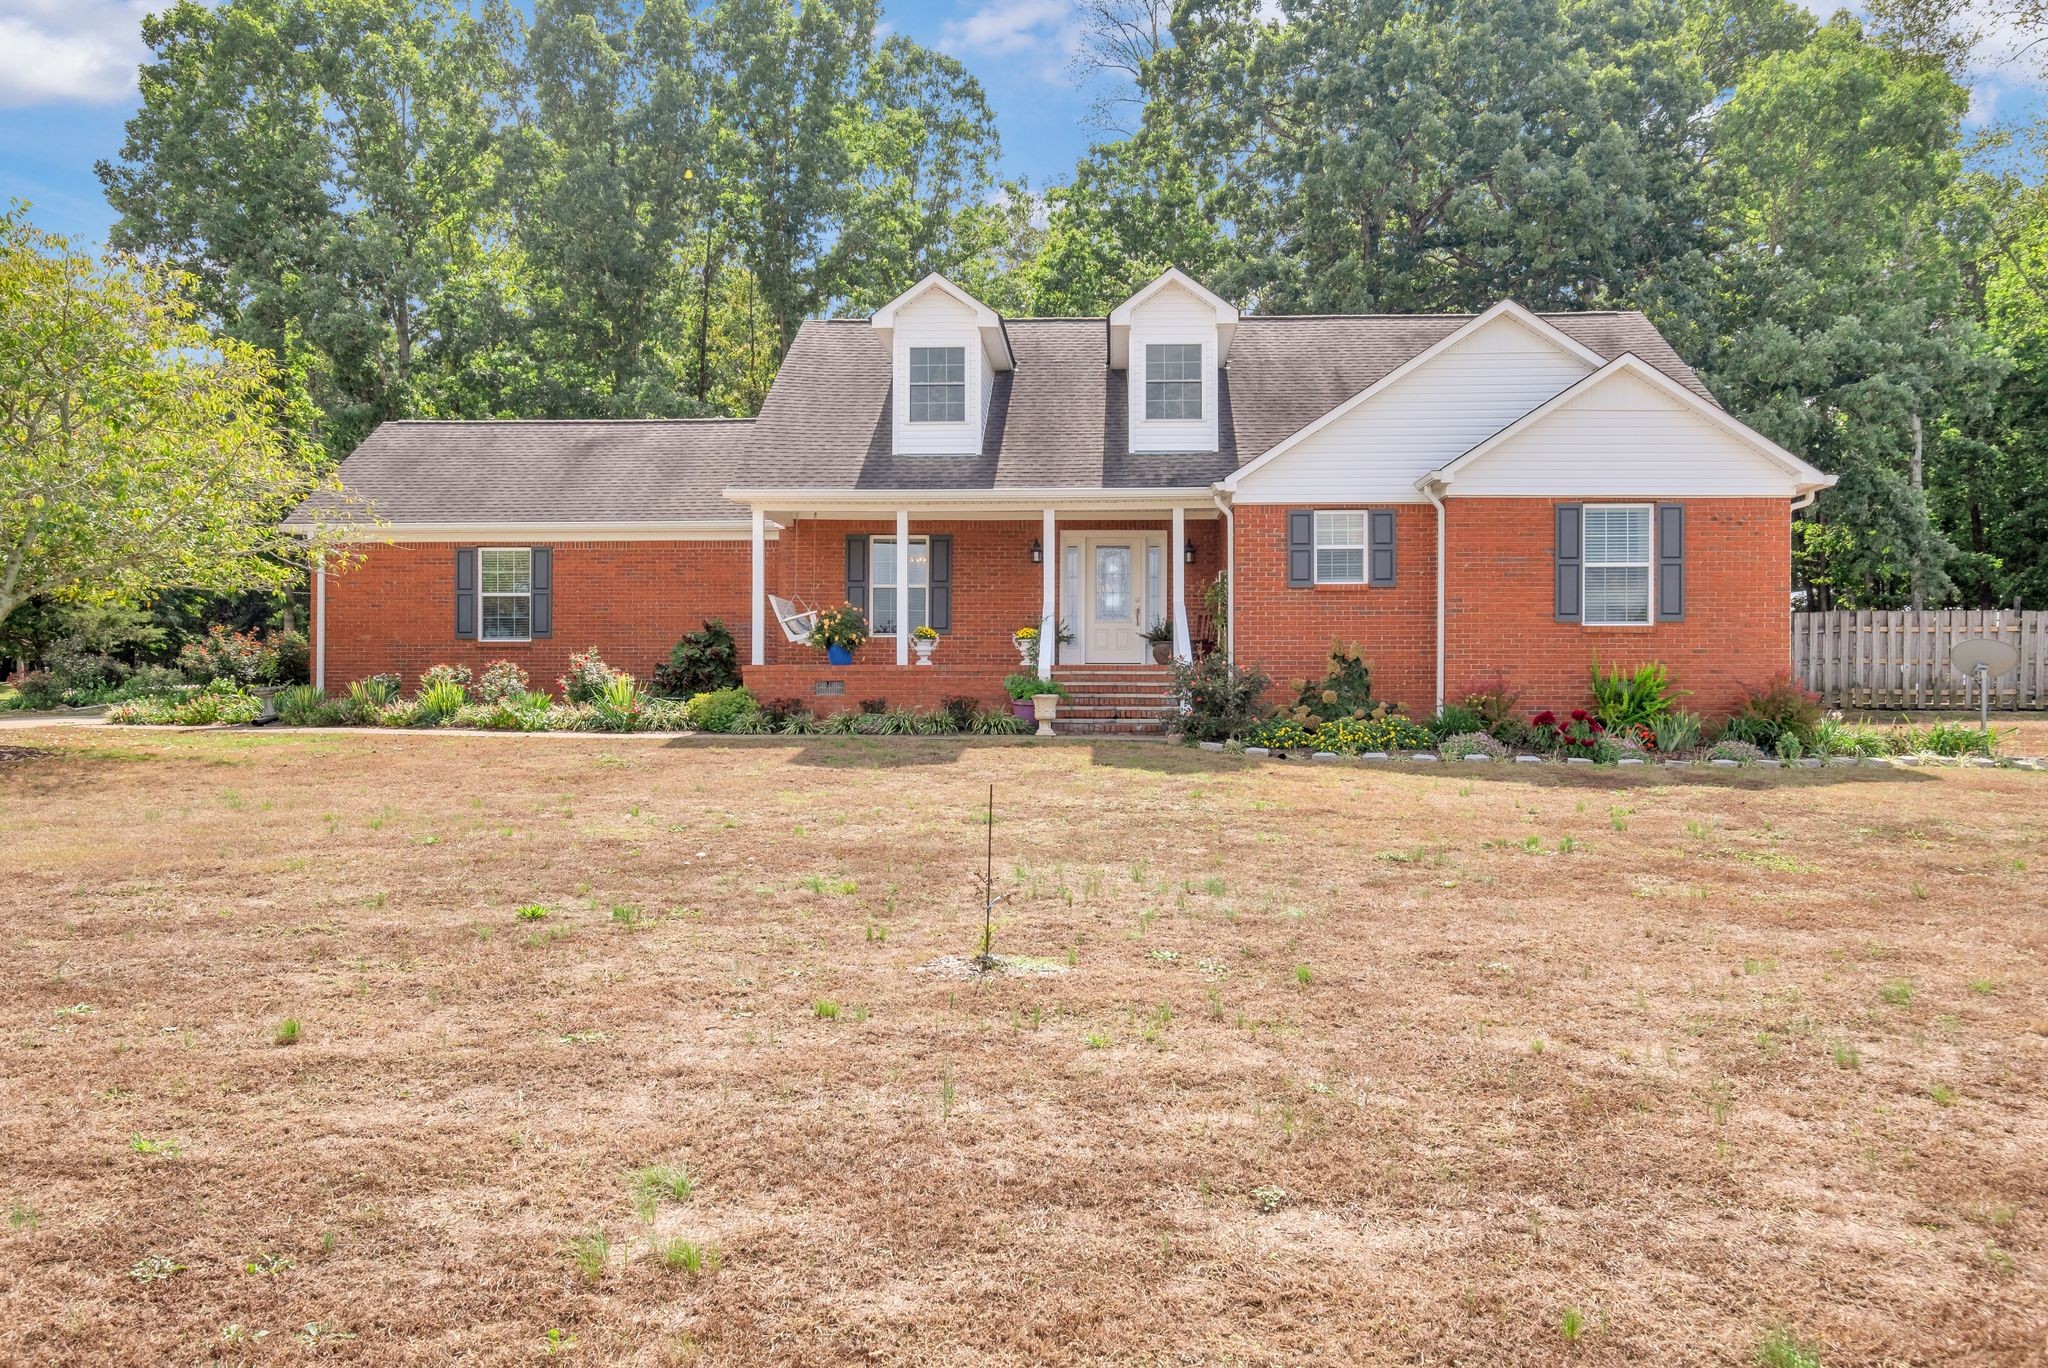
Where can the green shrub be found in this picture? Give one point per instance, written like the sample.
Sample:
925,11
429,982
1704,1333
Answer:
962,710
619,707
588,677
294,656
1024,684
502,680
1498,708
1768,713
722,710
1456,719
1471,743
437,701
1214,700
302,705
1675,731
217,703
37,689
1345,690
1741,752
1944,738
1833,737
1384,731
367,699
445,674
222,654
1626,700
704,661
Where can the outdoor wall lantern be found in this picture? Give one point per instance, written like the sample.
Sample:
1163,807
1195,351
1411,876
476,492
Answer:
1037,552
1188,552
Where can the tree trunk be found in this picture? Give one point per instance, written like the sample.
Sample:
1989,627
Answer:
1920,488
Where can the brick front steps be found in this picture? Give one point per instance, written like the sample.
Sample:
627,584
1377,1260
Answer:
1112,700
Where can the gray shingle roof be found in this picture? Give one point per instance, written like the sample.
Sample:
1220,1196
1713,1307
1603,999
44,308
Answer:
555,471
1058,420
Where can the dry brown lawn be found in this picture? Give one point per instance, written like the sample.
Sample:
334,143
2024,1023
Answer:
1324,1064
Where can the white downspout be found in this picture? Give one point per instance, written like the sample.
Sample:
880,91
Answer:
757,650
1431,490
1183,651
1229,513
1048,613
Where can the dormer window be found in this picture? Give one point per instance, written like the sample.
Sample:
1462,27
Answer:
1173,381
938,384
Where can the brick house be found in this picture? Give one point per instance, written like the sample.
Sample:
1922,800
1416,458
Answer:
1466,497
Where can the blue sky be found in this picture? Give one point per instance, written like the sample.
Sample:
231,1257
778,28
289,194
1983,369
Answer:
67,82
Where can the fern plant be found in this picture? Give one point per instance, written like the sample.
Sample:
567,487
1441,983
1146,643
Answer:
1624,700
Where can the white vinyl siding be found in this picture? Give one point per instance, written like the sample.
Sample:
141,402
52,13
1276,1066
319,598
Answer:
1340,547
1175,320
505,593
938,384
1375,453
882,584
1623,438
1173,381
1616,565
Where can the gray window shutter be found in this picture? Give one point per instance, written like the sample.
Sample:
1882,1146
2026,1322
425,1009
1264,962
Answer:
465,591
1571,586
1301,548
1380,547
940,576
857,572
1670,562
543,592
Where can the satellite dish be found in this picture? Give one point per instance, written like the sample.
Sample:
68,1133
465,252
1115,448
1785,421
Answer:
1985,654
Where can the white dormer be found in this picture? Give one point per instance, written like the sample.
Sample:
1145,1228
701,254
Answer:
945,347
1173,339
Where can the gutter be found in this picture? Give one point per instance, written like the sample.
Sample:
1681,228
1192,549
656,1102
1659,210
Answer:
1432,486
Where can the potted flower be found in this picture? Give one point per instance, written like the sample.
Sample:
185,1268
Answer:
1160,634
839,632
924,640
1032,697
1026,642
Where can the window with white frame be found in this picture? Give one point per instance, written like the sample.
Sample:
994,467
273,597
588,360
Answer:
938,384
1340,547
1616,565
505,585
1173,381
882,616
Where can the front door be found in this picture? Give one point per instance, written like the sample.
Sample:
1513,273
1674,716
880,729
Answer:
1111,591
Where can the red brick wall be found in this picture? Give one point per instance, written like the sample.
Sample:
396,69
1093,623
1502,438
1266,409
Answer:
918,686
1288,632
1501,609
395,609
1737,631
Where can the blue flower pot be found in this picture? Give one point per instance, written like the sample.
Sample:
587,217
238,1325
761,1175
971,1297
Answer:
838,654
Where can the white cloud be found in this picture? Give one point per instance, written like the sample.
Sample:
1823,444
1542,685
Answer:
1983,105
1044,29
78,51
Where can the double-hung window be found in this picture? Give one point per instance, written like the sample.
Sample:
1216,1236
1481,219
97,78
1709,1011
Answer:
938,384
1340,547
505,582
1617,565
882,614
1173,381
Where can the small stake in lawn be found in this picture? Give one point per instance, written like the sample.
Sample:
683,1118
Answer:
986,960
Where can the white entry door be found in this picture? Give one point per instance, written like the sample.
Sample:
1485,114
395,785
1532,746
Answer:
1113,586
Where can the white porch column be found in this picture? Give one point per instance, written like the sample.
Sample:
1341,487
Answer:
1048,617
903,623
320,620
757,652
1183,648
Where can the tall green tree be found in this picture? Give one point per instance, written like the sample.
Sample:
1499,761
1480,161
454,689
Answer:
137,453
1838,322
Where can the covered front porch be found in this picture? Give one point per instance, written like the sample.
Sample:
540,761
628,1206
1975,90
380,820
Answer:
1092,575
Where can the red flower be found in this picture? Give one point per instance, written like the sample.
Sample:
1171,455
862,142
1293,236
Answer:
1580,715
1546,718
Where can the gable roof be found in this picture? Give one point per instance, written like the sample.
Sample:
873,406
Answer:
526,471
1060,419
986,320
1805,476
1222,310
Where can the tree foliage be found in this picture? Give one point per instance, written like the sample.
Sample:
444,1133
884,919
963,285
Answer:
137,452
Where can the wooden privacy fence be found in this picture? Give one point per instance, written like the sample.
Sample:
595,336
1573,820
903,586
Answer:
1899,659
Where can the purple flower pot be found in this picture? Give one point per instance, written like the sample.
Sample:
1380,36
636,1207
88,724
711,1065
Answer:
1020,708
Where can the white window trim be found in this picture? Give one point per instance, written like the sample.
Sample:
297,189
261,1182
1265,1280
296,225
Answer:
481,552
1201,396
1648,565
875,583
910,387
1363,545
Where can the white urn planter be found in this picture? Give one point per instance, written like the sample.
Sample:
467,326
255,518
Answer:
924,649
1027,647
1044,707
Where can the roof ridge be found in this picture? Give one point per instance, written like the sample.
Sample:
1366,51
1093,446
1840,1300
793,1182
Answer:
586,422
